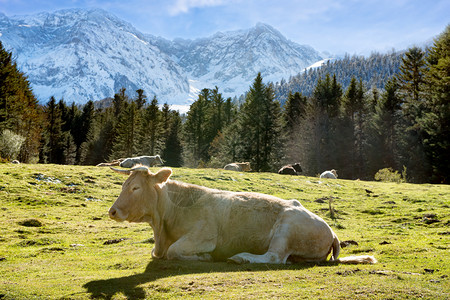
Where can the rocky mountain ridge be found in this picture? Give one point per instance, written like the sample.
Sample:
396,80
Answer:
82,55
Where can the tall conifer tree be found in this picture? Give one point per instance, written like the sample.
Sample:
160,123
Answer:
410,80
436,119
19,109
260,127
172,151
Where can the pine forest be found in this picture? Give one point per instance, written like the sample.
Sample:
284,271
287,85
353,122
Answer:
361,116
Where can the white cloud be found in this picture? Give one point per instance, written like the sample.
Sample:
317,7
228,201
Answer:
183,6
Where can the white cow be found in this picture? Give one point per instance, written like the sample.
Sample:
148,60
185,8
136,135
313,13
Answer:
192,222
149,161
329,174
240,167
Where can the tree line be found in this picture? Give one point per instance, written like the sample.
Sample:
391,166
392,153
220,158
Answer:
374,71
356,130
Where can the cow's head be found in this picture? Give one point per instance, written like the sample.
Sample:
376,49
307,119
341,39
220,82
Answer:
158,160
297,167
245,166
136,202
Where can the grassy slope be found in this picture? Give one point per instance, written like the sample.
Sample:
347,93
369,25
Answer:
66,257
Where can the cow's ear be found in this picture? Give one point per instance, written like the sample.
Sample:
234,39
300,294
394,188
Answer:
163,175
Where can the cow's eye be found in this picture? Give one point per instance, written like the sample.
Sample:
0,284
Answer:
135,188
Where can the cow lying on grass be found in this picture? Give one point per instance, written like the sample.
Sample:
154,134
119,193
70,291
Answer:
192,222
130,162
329,174
240,167
294,169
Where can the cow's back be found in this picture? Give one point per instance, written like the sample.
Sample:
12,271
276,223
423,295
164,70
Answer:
232,167
327,174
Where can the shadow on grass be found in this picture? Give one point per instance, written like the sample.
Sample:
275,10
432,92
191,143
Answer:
130,286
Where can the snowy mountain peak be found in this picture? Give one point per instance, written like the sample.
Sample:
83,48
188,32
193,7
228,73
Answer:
82,55
262,28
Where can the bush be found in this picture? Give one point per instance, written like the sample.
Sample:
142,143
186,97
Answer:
388,175
10,144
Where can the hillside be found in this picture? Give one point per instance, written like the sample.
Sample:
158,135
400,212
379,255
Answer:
374,71
56,240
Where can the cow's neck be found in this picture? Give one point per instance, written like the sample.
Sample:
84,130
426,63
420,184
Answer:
172,197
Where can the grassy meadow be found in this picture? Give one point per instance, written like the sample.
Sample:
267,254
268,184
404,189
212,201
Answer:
57,241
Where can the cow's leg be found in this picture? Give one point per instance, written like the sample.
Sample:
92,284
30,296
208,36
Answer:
277,253
196,245
188,249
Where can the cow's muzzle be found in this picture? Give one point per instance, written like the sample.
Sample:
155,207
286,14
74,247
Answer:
115,214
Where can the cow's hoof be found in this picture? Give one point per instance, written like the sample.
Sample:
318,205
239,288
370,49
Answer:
237,260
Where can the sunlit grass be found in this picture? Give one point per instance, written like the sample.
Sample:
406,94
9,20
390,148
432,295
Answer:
56,240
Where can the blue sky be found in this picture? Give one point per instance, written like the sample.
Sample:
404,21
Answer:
337,26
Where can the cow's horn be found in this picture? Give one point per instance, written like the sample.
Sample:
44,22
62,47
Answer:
140,168
121,171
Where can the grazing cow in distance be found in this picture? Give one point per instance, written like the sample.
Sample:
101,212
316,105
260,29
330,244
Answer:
148,161
240,167
192,222
329,174
294,169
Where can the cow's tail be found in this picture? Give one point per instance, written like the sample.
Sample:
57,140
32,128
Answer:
336,248
353,259
357,259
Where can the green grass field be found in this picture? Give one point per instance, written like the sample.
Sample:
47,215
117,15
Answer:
57,242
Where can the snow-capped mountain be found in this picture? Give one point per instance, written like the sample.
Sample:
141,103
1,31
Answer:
82,55
231,60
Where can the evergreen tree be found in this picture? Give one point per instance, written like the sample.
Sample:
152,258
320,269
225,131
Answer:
172,151
320,126
436,118
384,142
151,133
225,145
352,131
294,110
196,131
410,80
141,98
260,127
165,123
216,113
53,151
230,112
410,77
19,109
69,149
119,101
127,136
293,115
100,139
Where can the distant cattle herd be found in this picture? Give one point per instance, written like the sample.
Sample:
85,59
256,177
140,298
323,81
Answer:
151,161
